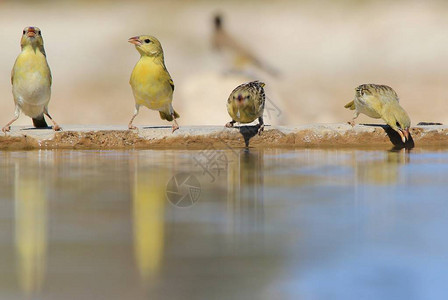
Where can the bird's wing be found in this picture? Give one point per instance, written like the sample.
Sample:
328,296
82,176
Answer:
42,50
261,100
390,96
12,75
170,80
384,93
171,83
373,103
260,97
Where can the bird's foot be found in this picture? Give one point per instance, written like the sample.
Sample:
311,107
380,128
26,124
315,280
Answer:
175,127
131,127
352,123
6,129
260,129
56,127
229,125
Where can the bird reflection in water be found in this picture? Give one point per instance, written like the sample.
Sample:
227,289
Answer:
148,196
383,168
30,226
245,194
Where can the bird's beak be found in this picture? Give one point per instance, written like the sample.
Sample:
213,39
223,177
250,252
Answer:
404,134
135,40
239,100
31,32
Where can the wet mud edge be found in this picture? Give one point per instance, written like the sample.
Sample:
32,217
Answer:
222,139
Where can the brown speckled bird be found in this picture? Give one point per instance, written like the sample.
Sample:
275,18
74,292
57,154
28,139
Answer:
380,102
246,103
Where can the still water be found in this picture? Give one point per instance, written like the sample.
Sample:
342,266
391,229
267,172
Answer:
230,224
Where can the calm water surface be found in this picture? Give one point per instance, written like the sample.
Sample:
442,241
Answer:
234,224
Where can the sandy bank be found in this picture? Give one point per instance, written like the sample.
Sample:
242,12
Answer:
202,137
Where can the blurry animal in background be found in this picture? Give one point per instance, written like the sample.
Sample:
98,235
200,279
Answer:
150,81
380,101
239,56
31,80
246,103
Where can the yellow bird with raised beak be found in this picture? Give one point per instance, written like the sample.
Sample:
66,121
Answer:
150,81
380,102
31,80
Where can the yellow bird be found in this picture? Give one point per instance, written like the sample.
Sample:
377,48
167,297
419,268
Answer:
380,101
150,81
246,103
31,80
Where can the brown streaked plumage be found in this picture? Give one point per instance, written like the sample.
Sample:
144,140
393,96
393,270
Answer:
246,103
380,102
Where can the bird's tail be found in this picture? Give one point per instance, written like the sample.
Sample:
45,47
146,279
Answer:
39,122
168,117
350,105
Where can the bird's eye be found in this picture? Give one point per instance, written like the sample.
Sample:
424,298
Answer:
147,41
248,97
398,124
24,32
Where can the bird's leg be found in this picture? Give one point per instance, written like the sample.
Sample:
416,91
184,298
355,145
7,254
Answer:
130,126
230,124
260,125
175,125
7,127
56,127
352,122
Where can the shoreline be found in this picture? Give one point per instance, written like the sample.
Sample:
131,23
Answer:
219,137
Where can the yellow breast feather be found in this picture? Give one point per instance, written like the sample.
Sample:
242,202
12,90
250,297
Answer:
151,84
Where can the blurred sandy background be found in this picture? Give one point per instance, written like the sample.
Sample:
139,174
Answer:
323,49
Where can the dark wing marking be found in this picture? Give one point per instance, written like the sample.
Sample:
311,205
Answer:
172,84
